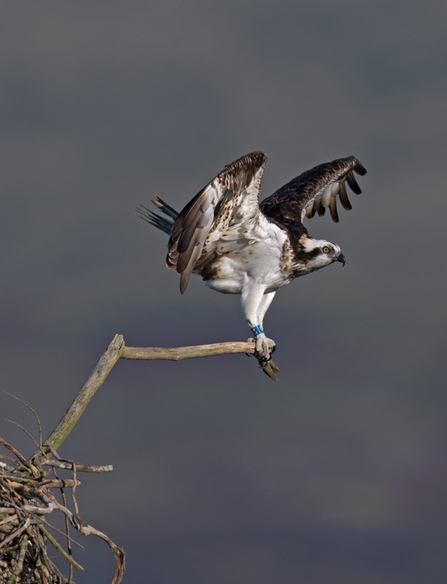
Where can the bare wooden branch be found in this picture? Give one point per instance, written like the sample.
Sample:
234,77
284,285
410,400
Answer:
179,353
59,548
119,554
50,483
116,350
79,467
88,390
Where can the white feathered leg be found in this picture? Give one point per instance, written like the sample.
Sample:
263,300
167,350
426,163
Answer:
255,304
264,305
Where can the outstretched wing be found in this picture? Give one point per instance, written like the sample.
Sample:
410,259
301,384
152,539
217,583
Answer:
230,197
314,191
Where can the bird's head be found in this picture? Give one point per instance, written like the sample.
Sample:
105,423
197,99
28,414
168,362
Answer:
320,253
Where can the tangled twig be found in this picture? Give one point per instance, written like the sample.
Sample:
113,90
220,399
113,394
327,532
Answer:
28,498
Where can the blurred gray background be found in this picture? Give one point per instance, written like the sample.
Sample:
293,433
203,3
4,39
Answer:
337,473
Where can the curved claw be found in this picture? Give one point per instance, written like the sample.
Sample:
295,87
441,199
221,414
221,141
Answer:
264,349
265,361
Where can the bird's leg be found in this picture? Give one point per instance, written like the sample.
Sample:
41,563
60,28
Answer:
263,307
255,304
266,362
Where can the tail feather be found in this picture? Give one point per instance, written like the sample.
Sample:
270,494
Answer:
153,219
165,208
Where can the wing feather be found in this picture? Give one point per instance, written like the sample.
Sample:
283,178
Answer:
314,191
198,227
343,194
353,183
326,196
310,210
333,210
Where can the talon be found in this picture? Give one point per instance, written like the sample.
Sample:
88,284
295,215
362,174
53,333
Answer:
264,347
263,361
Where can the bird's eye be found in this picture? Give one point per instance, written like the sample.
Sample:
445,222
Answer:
326,249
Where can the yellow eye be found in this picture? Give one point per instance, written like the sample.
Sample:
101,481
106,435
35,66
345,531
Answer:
326,249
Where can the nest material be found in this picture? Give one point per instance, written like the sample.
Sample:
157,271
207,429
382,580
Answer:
27,500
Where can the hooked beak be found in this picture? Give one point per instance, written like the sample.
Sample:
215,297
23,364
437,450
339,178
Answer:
341,258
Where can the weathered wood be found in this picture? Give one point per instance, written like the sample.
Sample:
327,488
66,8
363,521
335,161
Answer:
116,350
179,353
87,391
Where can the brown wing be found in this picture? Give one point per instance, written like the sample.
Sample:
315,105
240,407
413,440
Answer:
210,210
314,191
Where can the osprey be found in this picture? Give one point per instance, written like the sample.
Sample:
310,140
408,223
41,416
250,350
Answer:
241,246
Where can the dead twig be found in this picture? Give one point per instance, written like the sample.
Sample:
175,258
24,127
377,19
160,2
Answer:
180,353
79,467
15,533
59,548
88,390
28,499
23,460
116,350
39,426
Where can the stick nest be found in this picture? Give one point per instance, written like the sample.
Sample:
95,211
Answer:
27,500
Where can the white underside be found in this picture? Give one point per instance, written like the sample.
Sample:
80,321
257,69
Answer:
257,260
238,270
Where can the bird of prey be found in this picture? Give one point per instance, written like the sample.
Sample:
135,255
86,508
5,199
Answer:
241,246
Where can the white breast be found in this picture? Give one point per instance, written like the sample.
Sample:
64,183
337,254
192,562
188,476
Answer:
249,251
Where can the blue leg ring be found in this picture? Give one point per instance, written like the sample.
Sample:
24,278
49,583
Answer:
257,330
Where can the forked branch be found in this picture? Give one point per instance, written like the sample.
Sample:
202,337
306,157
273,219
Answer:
116,350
